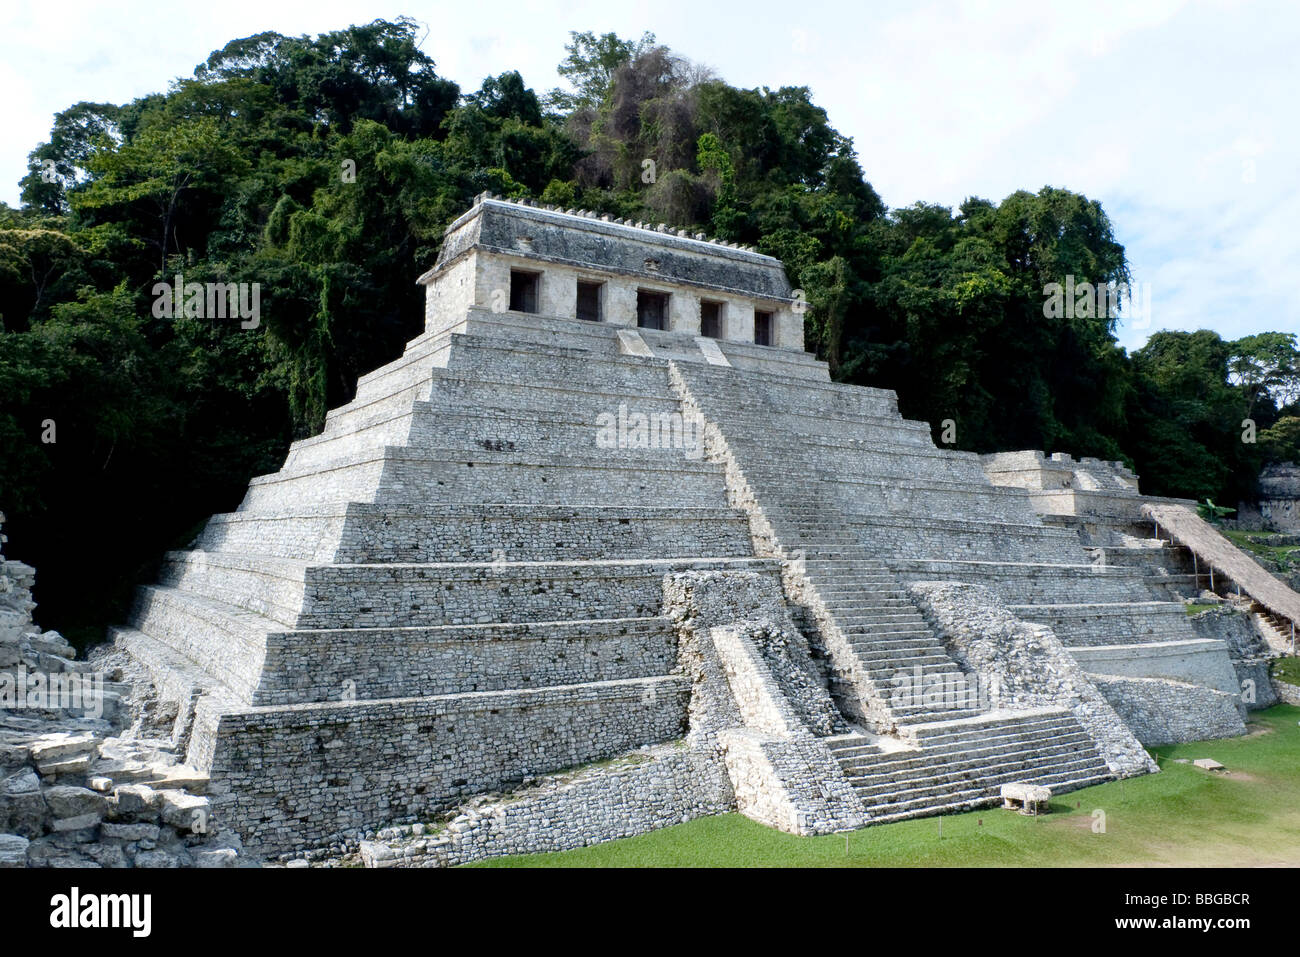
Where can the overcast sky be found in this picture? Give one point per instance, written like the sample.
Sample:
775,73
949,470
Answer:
1180,117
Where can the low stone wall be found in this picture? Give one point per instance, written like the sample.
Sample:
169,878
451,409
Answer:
1287,694
303,774
1102,624
638,792
1161,711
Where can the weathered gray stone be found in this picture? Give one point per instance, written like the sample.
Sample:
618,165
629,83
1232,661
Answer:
128,832
67,802
135,801
21,782
186,812
219,857
475,549
23,813
158,859
13,850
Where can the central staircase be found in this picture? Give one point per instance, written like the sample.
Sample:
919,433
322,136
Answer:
816,465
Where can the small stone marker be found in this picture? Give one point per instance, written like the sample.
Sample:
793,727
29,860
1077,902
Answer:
712,351
630,343
1209,764
1030,798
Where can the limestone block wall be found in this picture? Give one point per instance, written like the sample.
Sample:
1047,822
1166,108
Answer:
1028,470
303,774
1161,711
412,533
1196,662
1286,693
343,664
643,791
448,300
359,532
1085,625
1026,583
482,279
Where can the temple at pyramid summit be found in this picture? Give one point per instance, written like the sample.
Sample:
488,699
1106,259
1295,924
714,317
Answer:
606,550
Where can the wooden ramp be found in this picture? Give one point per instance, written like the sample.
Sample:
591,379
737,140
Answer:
1190,530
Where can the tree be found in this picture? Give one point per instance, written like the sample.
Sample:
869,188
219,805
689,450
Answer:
590,65
161,169
58,166
1266,367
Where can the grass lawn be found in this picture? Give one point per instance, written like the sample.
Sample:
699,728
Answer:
1183,816
1287,669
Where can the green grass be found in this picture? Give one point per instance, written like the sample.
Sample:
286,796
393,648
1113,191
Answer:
1283,554
1197,609
1183,816
1287,669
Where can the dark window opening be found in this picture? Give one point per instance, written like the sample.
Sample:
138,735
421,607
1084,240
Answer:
651,309
523,291
589,301
762,328
711,320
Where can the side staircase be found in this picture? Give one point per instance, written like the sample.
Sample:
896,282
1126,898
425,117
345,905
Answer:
961,763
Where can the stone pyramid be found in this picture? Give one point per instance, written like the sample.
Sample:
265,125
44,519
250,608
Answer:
460,583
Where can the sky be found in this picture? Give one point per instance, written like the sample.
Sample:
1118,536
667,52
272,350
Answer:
1179,117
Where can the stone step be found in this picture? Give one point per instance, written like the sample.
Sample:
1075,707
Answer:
986,792
906,717
996,723
906,787
399,475
849,744
980,799
311,665
366,533
900,660
853,626
961,755
872,615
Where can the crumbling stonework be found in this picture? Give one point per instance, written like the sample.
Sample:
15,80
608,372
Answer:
1278,504
73,792
1286,693
1247,650
1162,548
758,703
1025,666
637,792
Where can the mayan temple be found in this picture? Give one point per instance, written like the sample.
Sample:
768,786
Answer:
607,540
